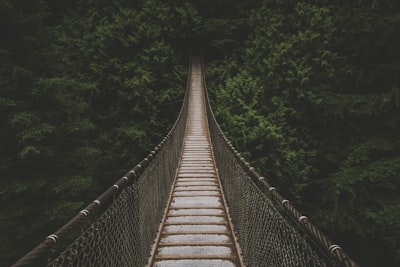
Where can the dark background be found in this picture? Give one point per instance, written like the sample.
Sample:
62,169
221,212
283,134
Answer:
308,90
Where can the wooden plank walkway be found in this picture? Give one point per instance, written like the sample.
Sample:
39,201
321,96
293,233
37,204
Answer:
196,230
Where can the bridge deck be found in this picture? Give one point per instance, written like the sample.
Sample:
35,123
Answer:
196,229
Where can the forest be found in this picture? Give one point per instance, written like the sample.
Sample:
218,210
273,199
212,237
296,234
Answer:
308,90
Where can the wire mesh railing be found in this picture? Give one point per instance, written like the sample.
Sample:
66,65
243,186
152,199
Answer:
266,236
119,227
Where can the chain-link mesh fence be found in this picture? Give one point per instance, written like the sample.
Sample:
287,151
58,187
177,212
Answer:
265,236
124,233
119,227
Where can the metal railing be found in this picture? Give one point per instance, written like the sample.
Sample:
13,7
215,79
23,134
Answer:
261,216
119,227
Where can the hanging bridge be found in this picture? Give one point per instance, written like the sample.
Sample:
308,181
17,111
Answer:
193,201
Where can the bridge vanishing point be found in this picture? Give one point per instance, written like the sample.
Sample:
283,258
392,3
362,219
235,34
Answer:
194,201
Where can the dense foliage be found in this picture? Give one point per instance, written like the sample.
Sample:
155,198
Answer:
313,97
85,93
308,89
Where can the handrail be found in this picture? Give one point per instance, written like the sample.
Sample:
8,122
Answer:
43,251
330,249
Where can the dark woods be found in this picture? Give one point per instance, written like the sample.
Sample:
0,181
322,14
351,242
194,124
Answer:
308,89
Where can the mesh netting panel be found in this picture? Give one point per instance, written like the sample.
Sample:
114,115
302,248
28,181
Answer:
130,213
124,233
265,238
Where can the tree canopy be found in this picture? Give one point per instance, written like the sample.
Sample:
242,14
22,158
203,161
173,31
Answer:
308,90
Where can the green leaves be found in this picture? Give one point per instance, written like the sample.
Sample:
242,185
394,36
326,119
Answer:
259,125
73,187
309,89
28,151
98,87
312,97
36,134
23,120
6,104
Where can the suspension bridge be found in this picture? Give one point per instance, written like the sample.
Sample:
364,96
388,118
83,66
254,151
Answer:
193,201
